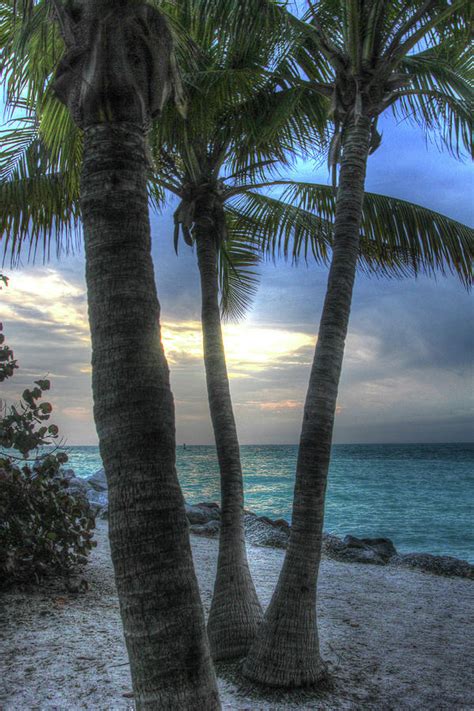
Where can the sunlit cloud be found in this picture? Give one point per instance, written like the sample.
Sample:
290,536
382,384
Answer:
254,348
276,406
279,406
46,297
404,374
248,349
182,340
77,413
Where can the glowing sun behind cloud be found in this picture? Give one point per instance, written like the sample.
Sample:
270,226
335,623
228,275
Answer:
249,349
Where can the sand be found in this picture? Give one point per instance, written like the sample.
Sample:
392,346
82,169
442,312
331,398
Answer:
393,638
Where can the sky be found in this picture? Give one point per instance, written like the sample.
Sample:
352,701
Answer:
408,367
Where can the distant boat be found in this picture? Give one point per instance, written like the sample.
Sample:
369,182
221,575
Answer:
184,446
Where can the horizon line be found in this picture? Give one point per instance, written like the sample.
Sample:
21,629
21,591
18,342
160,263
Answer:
295,444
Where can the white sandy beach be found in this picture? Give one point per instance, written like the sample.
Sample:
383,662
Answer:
393,638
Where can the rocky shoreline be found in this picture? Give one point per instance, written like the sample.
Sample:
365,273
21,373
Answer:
204,520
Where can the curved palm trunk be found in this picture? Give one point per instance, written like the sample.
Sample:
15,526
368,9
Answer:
235,611
134,412
286,652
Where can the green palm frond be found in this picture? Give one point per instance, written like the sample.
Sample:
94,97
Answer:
61,136
33,211
30,48
243,21
429,23
440,95
239,257
38,200
397,237
282,228
19,143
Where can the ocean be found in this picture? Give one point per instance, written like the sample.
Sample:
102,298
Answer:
419,495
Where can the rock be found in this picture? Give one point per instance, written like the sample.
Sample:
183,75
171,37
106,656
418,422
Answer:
104,513
383,547
202,513
361,555
332,545
75,485
67,473
282,523
266,520
436,564
209,529
210,505
97,493
352,550
98,498
75,584
261,531
97,481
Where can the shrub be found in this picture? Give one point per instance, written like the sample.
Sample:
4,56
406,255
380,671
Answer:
44,527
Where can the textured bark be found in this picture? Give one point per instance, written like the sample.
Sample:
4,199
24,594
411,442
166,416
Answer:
114,76
286,652
235,611
134,413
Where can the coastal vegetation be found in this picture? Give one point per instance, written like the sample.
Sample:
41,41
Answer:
45,527
245,104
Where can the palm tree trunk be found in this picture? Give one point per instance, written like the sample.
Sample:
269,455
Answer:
235,610
286,652
134,413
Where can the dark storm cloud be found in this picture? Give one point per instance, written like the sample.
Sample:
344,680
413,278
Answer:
419,324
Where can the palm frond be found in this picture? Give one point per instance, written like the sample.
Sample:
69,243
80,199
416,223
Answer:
239,257
36,209
38,201
440,95
398,238
282,228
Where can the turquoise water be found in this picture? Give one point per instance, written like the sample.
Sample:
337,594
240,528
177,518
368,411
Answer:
420,496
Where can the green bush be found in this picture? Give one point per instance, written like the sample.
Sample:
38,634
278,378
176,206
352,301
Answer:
44,526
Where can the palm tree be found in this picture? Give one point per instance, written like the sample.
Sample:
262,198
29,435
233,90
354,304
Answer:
398,238
236,126
116,72
410,57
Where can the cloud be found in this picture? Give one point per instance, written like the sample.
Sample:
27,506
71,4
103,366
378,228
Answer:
45,323
408,359
281,405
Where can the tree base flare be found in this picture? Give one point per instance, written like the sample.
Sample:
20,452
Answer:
234,619
286,677
285,655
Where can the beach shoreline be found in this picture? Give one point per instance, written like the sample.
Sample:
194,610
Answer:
204,520
393,639
416,495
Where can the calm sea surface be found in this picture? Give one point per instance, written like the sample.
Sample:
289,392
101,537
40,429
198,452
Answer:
419,495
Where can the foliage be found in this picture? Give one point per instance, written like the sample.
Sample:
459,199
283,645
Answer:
252,108
7,363
22,426
44,526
